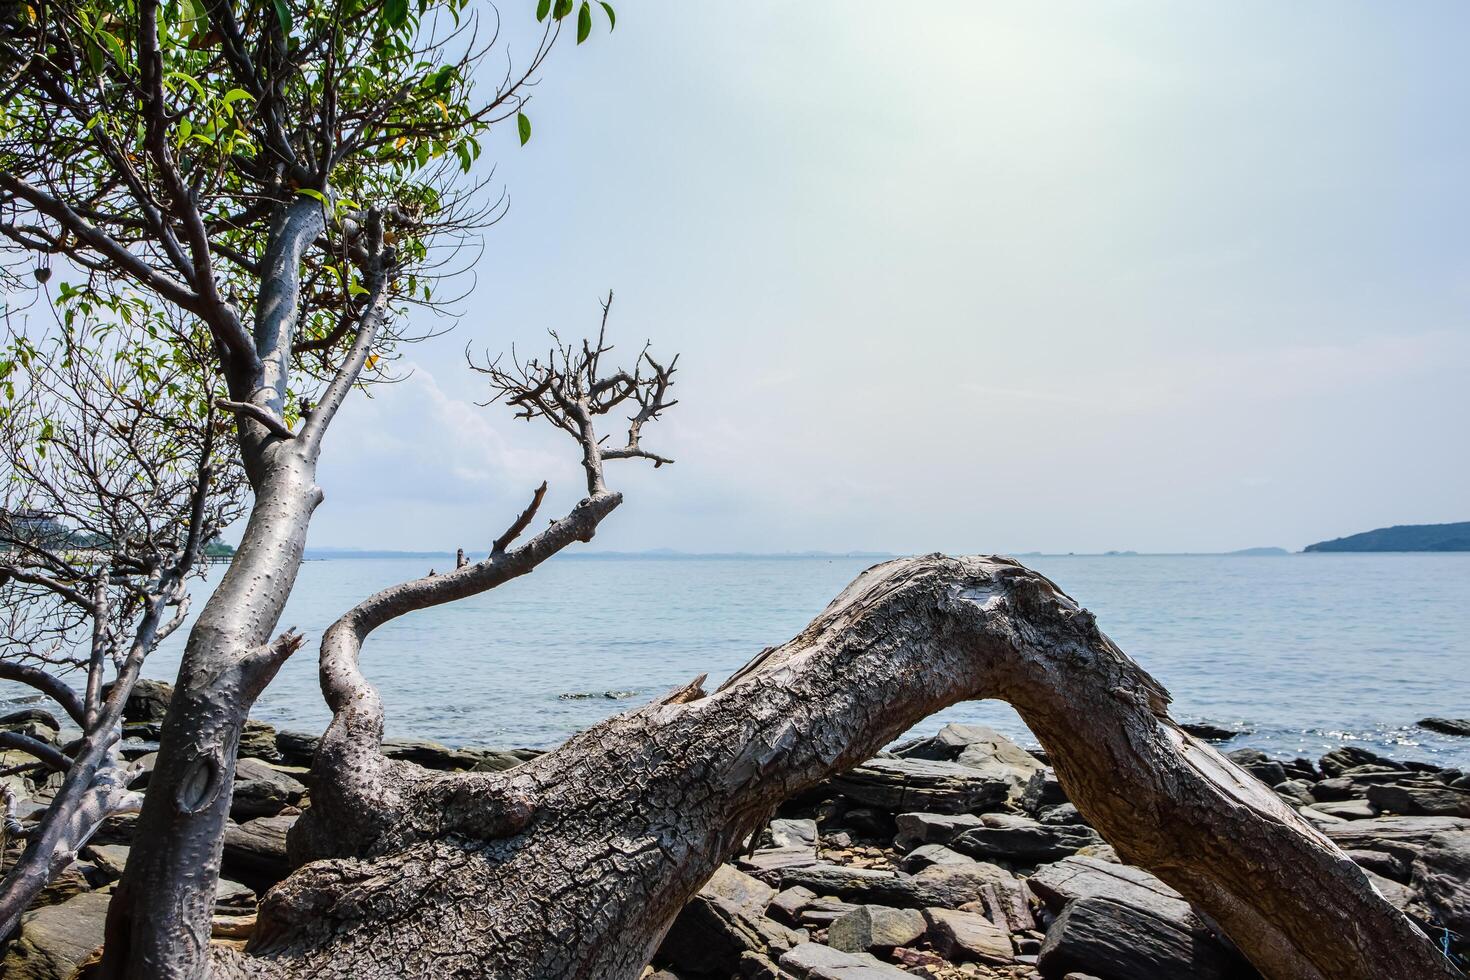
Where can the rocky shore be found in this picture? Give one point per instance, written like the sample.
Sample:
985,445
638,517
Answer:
953,856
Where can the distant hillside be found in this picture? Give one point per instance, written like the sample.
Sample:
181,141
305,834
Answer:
1405,537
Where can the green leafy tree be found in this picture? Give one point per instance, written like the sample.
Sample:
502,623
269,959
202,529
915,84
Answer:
263,188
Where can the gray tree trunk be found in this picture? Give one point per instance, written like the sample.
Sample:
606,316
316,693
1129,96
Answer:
158,923
572,867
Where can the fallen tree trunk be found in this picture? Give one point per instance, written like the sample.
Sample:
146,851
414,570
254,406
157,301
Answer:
572,866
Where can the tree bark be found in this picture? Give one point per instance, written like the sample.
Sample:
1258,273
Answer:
572,866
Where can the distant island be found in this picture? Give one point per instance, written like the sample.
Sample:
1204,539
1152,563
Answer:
1403,537
1259,552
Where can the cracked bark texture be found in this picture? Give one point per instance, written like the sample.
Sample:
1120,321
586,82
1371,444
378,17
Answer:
572,866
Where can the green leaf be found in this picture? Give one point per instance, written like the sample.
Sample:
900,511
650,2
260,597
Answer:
542,9
523,123
314,195
612,18
562,8
584,22
235,95
283,15
395,12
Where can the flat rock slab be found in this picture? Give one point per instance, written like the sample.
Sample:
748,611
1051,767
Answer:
922,784
1403,837
811,961
932,828
1428,798
55,939
724,921
967,936
1085,877
1115,941
1023,840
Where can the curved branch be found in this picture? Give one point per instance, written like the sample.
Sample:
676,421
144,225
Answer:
616,829
54,688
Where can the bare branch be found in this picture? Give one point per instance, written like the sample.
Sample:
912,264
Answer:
521,523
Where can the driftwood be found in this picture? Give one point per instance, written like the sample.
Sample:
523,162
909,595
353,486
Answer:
572,866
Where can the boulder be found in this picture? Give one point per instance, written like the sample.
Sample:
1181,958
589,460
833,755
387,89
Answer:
110,859
255,851
1297,791
967,936
932,828
1022,840
258,741
898,785
1423,798
1447,726
811,961
1210,733
1060,815
147,701
946,885
788,905
233,898
296,748
1085,877
1255,762
55,939
987,750
1340,760
876,927
1112,940
721,923
263,790
430,755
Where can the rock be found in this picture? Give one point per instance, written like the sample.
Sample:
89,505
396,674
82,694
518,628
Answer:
430,755
35,723
793,844
868,822
932,828
876,927
256,849
1447,726
926,855
1060,815
147,701
75,878
1084,877
1116,941
946,885
499,760
810,961
1403,837
1022,840
988,751
721,923
1387,865
55,939
296,748
262,790
258,741
822,912
143,770
1420,798
1209,732
110,859
788,905
1257,764
966,936
921,784
233,898
1340,760
1297,791
1347,809
754,966
1441,877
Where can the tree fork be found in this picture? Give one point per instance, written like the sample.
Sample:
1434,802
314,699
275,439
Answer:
625,821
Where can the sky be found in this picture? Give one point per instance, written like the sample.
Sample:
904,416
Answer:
983,277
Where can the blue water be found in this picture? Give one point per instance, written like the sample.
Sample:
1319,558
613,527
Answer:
1307,651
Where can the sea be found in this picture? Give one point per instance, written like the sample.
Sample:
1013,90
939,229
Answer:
1302,652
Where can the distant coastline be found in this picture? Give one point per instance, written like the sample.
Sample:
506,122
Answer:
1402,537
